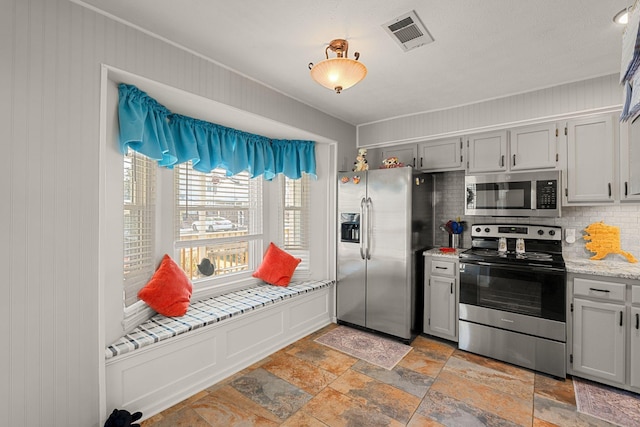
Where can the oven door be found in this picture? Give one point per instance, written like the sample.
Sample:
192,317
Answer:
531,291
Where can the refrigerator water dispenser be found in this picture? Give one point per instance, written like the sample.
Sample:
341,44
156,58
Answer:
350,227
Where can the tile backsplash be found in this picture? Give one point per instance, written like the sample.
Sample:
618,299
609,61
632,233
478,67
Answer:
450,205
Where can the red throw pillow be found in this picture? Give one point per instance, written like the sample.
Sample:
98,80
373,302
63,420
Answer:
277,266
169,290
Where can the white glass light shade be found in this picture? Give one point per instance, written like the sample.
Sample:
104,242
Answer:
622,17
338,73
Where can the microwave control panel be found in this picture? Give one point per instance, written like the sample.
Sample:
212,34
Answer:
547,194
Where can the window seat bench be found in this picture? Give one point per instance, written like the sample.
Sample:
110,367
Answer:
165,360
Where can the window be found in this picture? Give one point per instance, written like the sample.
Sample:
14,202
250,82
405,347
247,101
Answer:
218,219
139,223
217,223
294,214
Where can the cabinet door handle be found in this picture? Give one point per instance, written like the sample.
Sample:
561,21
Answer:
626,189
451,288
599,290
609,185
514,160
620,318
442,268
420,161
637,321
502,161
414,162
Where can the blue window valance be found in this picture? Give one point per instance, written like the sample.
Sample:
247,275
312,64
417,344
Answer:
151,129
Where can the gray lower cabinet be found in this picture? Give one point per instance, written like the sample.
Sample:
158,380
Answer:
635,338
441,297
604,330
598,344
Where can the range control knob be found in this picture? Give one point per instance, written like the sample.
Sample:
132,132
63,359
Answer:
478,229
552,232
486,230
540,232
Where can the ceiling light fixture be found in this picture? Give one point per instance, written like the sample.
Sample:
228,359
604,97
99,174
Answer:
622,17
338,73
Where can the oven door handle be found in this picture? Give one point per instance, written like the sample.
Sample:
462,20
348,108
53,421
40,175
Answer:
480,263
512,266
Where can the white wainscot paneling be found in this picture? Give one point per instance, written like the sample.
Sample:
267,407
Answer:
158,376
136,382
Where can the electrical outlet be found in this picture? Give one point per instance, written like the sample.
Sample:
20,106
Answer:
570,235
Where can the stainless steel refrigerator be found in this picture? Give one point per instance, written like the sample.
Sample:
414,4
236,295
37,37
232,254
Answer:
385,222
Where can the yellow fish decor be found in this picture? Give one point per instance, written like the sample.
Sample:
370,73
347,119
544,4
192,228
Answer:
604,239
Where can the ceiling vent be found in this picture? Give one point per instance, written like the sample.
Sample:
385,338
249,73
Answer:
408,31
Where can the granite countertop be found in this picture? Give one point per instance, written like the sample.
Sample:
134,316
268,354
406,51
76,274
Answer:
609,268
438,253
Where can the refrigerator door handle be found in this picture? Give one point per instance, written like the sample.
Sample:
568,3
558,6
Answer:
362,224
368,247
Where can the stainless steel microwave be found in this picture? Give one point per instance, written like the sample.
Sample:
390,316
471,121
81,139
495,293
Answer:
526,194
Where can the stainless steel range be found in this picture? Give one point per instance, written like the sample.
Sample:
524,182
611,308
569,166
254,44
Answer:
512,296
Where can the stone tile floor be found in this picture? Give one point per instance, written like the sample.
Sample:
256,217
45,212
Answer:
309,384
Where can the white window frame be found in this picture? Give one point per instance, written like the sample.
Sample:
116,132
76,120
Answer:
139,235
206,286
302,205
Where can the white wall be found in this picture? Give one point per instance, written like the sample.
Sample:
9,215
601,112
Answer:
50,64
541,105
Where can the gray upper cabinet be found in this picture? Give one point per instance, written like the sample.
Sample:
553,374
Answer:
630,161
590,160
533,147
487,152
523,148
406,154
441,155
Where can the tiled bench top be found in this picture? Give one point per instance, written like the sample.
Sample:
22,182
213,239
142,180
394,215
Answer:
206,312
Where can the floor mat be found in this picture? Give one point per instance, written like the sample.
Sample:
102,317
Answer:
607,403
377,350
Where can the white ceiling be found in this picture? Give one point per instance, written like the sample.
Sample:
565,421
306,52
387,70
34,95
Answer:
483,48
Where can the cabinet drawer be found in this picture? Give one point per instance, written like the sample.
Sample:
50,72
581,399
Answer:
443,268
635,295
599,289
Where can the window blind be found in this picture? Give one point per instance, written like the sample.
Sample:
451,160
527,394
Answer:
294,217
139,223
217,216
